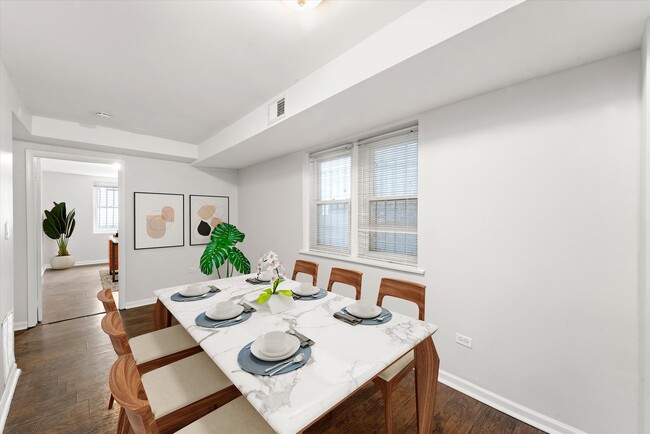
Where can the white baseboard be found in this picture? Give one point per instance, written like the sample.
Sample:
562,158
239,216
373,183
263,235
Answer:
511,408
20,325
138,303
81,263
8,395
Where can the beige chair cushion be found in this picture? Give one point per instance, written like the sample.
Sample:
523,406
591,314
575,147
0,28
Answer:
161,343
394,369
236,417
181,383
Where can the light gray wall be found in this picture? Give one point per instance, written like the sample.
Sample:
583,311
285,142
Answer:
146,270
77,192
529,205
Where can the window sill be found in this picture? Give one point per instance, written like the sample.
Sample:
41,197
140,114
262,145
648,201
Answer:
369,262
104,231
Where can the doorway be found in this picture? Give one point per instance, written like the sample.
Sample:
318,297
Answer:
93,188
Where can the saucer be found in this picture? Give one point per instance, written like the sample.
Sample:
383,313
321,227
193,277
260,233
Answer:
194,291
236,310
352,309
257,348
314,290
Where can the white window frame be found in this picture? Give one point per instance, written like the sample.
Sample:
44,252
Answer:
96,229
353,256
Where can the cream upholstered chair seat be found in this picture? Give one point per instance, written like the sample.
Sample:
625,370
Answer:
238,416
394,369
160,343
181,383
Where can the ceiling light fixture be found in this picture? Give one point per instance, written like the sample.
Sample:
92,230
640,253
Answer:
302,5
103,115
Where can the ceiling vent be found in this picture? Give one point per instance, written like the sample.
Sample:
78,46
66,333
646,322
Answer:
276,110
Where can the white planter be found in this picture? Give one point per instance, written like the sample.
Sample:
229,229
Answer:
281,303
62,262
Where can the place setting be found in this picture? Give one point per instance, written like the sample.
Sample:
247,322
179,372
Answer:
275,353
363,312
262,278
224,314
194,292
307,291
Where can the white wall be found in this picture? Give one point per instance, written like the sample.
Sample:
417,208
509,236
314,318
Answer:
77,192
529,205
146,270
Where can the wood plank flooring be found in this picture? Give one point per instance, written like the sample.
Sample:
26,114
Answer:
64,389
79,284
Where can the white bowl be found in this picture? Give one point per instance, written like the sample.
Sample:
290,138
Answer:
364,309
222,311
306,289
292,342
194,290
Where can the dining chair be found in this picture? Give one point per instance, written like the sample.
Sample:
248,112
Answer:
143,403
150,350
306,267
391,376
346,277
106,297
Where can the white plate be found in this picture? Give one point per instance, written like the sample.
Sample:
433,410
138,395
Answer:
194,290
313,291
237,309
352,309
258,345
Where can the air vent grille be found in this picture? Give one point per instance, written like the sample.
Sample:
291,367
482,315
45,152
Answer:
281,107
276,110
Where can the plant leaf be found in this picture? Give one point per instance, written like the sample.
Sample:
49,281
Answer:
286,292
239,261
50,230
214,255
263,298
54,220
70,223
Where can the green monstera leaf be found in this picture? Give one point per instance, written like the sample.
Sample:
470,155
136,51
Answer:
221,250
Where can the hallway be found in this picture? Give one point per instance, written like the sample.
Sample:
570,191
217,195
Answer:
71,293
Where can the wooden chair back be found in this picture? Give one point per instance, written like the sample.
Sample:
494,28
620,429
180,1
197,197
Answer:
113,327
347,277
405,290
126,386
106,297
306,267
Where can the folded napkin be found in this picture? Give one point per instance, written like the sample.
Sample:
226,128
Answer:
347,318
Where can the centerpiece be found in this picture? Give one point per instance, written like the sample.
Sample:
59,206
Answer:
279,300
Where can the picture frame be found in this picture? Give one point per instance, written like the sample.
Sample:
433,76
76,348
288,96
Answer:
159,220
206,212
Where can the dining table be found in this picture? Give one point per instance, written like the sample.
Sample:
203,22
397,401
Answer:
343,359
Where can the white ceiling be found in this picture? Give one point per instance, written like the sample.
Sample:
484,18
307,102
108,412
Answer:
181,70
79,168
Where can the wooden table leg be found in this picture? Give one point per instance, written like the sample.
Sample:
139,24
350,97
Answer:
427,364
161,316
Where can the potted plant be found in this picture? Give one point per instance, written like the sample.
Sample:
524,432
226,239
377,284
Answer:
221,250
279,300
59,226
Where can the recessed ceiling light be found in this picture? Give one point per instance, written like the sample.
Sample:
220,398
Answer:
116,166
302,5
103,115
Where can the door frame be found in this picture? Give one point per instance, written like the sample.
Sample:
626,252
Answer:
35,264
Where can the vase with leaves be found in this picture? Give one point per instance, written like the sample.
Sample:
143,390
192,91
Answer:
59,225
279,300
221,250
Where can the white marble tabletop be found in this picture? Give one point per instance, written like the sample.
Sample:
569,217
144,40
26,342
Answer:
343,358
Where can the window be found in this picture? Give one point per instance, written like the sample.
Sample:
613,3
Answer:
384,206
330,210
106,208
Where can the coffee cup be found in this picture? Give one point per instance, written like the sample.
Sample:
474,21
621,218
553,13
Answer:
365,307
265,275
275,342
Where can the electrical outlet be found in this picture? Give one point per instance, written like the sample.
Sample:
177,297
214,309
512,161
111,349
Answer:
192,270
463,340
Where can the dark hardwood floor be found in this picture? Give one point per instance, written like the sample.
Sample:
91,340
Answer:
64,389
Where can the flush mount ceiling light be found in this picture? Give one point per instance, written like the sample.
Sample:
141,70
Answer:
103,115
302,5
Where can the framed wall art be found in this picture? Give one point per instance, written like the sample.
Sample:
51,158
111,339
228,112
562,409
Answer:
159,220
206,212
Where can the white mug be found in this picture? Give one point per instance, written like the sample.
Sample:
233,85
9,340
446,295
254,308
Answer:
275,342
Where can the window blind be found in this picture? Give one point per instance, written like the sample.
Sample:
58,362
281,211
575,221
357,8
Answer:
388,197
106,209
330,201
